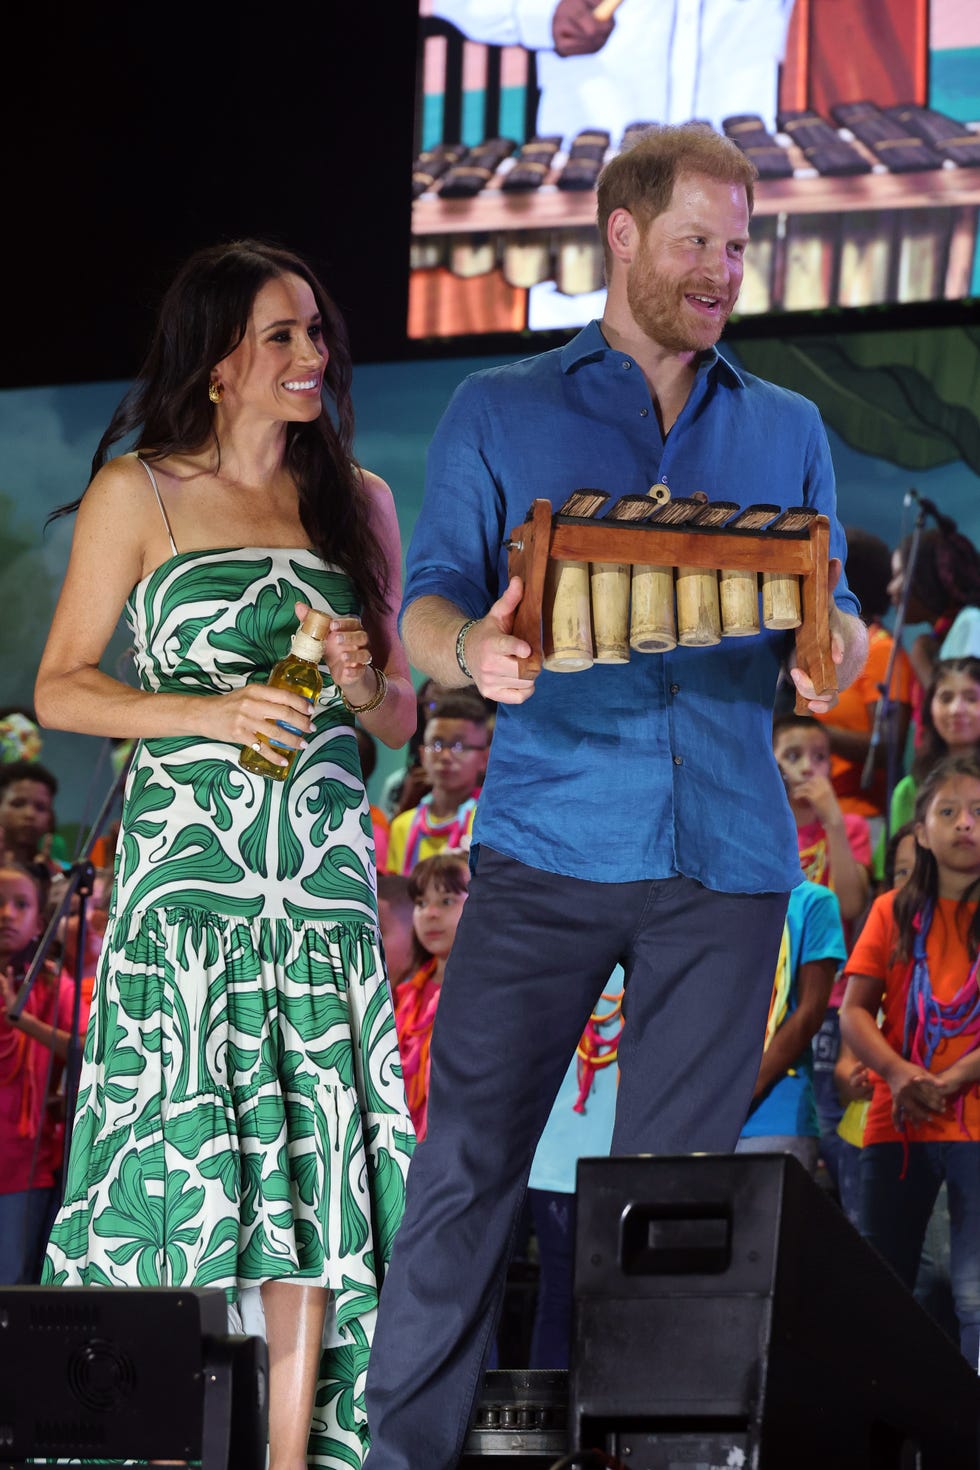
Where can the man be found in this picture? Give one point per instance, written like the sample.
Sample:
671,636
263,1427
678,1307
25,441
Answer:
653,61
630,814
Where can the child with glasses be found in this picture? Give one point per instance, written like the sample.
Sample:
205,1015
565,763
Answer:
454,750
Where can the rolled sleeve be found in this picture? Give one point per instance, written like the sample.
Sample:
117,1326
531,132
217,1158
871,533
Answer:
455,548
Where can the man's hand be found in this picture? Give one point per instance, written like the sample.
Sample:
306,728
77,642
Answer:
575,29
492,652
848,649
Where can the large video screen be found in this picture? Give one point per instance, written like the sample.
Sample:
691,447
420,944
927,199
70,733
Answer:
862,116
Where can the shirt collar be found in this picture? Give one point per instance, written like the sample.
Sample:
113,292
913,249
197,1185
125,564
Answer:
591,346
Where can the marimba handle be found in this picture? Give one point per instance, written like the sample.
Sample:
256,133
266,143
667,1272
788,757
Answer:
606,9
813,654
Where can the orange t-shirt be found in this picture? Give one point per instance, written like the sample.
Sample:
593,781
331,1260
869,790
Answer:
949,965
851,713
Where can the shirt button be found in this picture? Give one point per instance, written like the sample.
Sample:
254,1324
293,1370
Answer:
627,363
675,688
644,412
678,760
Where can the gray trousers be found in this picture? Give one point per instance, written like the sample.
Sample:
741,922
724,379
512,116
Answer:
531,956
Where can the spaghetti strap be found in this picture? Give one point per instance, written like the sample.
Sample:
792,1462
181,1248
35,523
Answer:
156,491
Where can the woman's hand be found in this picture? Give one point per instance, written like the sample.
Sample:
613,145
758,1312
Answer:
257,714
347,656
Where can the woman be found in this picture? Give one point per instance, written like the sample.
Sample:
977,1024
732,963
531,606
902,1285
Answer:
241,1122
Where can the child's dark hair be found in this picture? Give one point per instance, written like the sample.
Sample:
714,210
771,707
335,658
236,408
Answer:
933,747
394,889
923,886
946,575
447,871
459,704
11,771
869,571
891,853
798,722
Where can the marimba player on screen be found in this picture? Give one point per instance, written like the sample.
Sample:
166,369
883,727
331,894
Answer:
632,813
606,65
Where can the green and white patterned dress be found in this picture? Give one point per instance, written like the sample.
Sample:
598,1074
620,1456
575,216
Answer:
241,1113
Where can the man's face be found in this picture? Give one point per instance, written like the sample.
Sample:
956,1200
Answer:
685,277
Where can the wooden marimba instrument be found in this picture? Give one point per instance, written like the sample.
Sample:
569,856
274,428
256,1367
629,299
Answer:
872,206
653,573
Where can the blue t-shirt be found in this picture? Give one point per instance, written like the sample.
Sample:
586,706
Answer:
815,933
664,765
569,1136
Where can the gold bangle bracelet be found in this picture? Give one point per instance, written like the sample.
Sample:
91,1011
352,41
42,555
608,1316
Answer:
376,699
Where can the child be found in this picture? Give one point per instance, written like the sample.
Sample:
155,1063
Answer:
396,913
835,848
30,1134
438,887
783,1115
454,758
950,726
917,959
835,851
27,792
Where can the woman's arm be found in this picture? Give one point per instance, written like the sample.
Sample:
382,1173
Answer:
348,645
112,548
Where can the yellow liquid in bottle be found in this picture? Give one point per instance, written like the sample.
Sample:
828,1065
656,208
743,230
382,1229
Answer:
303,677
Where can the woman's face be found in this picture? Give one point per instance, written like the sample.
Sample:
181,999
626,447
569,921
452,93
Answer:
19,916
437,913
955,711
276,371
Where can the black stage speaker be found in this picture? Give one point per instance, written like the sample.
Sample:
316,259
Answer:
727,1314
106,1374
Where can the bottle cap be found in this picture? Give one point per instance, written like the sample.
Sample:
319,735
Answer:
315,624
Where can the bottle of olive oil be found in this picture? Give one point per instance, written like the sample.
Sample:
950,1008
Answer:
297,671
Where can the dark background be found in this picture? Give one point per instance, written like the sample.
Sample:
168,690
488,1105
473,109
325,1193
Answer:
134,134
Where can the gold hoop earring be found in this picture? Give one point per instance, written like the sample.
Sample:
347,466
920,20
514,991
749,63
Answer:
216,391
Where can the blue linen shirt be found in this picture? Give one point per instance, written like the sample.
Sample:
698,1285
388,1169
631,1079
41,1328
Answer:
664,765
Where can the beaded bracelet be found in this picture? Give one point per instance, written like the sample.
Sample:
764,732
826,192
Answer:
376,699
461,647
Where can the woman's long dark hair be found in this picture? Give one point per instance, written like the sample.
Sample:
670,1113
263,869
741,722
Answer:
923,886
203,317
933,747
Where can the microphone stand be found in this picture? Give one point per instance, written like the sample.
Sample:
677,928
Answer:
885,708
80,880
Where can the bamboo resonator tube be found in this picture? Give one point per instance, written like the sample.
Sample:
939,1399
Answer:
650,573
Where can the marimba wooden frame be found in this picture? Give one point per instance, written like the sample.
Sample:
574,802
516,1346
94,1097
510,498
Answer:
805,553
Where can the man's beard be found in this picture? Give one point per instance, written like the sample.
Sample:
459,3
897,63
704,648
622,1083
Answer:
658,308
